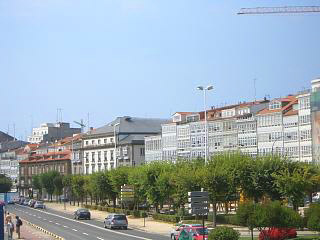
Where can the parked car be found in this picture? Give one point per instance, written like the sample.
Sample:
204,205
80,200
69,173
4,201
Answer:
39,204
175,232
31,202
116,221
11,201
195,231
26,202
82,213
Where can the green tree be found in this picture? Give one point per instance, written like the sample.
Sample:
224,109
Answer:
5,183
118,177
294,182
47,181
78,182
36,184
58,185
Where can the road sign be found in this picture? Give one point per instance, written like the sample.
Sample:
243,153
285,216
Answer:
127,193
198,203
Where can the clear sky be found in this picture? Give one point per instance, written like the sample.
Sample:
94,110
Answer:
145,58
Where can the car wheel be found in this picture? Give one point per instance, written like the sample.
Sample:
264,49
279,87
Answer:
125,228
104,225
89,218
172,237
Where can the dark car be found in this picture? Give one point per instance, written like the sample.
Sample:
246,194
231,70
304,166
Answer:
82,213
116,221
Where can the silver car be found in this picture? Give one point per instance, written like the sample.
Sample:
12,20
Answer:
39,204
116,221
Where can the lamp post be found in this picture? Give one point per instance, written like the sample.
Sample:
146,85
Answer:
115,143
289,137
201,88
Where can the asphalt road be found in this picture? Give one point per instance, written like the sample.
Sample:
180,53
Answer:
65,226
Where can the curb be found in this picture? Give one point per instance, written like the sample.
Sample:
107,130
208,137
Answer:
43,230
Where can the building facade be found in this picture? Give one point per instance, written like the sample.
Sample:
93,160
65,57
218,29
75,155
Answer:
50,132
119,143
41,159
280,126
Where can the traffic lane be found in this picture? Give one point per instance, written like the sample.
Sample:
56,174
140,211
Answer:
49,225
111,234
99,223
45,223
66,226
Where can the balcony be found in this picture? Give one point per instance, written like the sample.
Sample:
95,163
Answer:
97,146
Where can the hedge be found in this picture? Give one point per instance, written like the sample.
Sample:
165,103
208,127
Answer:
225,219
135,213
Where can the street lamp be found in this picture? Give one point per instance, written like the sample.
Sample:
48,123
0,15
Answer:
278,138
115,143
201,88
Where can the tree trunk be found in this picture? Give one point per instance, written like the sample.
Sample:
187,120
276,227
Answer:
214,214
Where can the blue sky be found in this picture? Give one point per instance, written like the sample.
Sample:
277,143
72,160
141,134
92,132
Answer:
145,58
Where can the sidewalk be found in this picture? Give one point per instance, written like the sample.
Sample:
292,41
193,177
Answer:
151,225
29,233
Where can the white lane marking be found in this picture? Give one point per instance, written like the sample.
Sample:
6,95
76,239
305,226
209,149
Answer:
100,238
45,219
85,234
66,226
75,230
50,221
58,224
39,217
88,224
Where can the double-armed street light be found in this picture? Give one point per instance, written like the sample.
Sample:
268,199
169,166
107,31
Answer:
208,88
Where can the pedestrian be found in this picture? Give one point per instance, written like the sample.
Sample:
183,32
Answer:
18,225
8,218
10,228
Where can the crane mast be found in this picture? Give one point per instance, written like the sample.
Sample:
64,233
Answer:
280,10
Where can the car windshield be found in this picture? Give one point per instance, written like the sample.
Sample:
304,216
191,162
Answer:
120,217
202,231
83,210
39,202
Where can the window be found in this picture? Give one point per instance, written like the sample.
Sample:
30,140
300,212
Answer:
105,141
111,155
87,157
304,103
142,152
93,156
93,168
87,142
275,105
99,141
92,142
105,155
99,156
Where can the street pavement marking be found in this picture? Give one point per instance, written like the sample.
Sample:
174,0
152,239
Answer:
50,221
88,224
100,238
66,226
45,219
85,234
58,224
75,230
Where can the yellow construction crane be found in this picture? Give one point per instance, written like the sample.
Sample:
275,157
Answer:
280,10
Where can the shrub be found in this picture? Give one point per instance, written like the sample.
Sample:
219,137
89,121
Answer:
312,217
278,234
225,219
224,233
166,218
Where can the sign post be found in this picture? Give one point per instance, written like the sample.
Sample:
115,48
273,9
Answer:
199,205
1,220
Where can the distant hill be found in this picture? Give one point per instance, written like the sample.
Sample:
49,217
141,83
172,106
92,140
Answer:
5,137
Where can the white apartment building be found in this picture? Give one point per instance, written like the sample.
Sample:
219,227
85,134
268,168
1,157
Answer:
50,132
280,126
119,143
